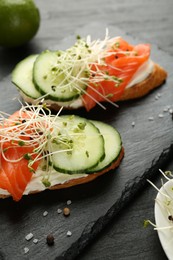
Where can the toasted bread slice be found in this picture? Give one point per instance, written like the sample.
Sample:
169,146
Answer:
154,80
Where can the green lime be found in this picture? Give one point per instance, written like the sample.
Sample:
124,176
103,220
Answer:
19,22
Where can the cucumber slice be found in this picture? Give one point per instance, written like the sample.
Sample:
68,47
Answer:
85,141
113,145
22,77
58,76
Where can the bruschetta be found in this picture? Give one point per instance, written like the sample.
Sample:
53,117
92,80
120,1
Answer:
41,151
88,73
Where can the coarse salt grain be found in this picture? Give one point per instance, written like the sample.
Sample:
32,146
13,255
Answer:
151,118
26,250
69,233
167,108
29,236
35,240
170,111
157,96
160,115
133,123
59,211
45,214
68,202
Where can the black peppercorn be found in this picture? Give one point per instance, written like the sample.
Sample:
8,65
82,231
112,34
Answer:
50,239
170,217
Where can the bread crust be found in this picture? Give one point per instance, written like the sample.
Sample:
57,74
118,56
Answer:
154,80
81,180
91,176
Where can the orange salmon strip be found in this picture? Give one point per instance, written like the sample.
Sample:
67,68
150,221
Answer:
14,176
122,61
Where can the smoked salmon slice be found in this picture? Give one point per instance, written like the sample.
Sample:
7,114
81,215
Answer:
15,172
14,176
121,62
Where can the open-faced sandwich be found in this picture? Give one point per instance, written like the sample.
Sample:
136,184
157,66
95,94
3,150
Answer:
88,73
41,151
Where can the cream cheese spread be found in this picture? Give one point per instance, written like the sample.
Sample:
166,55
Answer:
142,73
55,178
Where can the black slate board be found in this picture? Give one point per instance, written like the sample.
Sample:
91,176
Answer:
143,145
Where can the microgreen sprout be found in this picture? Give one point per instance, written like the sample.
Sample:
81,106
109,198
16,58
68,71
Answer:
165,203
147,222
81,67
27,156
34,129
21,143
44,133
46,182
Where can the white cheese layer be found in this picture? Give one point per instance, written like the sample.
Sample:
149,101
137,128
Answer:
142,73
55,178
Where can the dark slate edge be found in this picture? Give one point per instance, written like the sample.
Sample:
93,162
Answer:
132,188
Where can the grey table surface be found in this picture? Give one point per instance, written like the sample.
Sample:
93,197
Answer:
150,21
